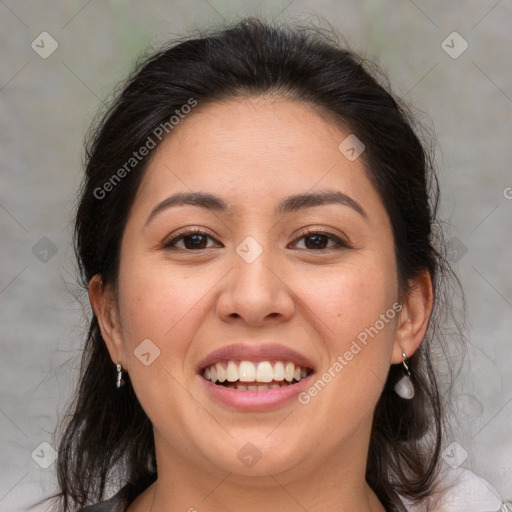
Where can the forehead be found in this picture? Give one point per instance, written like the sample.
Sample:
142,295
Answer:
256,128
254,149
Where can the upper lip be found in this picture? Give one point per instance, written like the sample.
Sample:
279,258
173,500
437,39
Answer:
255,352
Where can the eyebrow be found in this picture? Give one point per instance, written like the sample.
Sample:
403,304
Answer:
289,204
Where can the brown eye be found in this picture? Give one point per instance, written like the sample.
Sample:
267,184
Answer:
192,240
318,240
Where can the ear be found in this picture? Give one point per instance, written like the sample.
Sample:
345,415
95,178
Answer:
414,317
103,302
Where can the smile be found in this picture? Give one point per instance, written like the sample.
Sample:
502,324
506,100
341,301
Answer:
255,376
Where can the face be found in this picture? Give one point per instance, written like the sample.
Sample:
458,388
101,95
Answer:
266,279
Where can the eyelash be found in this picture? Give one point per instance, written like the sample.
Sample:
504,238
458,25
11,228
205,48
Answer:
340,244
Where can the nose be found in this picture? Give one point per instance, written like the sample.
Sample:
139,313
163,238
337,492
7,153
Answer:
256,293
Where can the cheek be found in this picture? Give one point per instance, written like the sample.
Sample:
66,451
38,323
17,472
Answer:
357,322
166,304
159,318
159,306
352,297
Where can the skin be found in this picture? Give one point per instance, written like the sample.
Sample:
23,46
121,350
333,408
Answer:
253,152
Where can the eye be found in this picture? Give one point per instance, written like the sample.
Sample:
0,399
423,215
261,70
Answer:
318,240
195,239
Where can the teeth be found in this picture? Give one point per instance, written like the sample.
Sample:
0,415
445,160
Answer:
257,387
265,372
270,376
279,371
246,371
221,373
232,372
288,371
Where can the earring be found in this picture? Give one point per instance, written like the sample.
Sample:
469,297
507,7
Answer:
404,388
120,380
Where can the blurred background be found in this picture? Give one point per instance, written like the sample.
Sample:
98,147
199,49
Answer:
61,59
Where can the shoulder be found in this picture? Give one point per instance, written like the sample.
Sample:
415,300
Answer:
114,504
120,501
461,489
102,506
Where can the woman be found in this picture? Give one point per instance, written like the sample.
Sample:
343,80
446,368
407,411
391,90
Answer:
256,233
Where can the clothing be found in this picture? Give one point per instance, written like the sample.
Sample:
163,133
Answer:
459,490
119,502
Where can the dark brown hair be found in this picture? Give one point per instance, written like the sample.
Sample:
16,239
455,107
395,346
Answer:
107,434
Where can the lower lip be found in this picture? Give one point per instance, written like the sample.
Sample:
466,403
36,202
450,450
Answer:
255,400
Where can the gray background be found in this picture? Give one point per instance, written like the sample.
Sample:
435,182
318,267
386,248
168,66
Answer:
46,105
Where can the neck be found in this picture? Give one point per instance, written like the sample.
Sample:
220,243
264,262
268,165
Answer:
273,496
337,483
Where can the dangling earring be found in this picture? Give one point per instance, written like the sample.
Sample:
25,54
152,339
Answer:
404,388
120,380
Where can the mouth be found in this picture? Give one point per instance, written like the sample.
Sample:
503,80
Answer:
254,375
246,375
